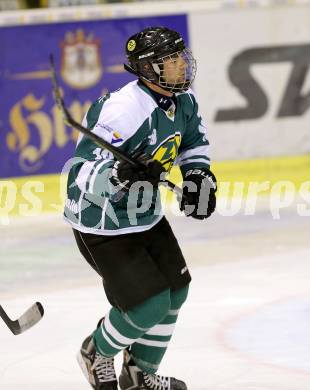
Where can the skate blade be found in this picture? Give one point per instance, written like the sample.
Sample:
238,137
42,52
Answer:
84,369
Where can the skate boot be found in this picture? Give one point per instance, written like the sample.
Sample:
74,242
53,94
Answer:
98,370
132,378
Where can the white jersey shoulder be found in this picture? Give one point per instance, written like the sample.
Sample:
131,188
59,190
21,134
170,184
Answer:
124,112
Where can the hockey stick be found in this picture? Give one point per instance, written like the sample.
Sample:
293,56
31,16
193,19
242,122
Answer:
33,315
119,154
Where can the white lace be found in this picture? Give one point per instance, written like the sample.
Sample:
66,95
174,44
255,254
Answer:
104,368
157,382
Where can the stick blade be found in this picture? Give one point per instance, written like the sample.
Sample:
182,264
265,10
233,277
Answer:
32,316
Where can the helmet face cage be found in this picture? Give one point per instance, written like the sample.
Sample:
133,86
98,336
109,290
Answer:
175,72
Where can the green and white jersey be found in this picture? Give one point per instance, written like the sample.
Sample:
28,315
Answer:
131,120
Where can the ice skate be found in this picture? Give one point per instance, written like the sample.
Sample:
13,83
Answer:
132,378
98,370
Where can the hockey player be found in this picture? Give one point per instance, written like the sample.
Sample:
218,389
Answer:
115,213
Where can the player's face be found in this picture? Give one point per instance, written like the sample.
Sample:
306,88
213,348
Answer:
174,71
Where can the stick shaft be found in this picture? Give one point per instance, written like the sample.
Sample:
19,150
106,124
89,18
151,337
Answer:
6,318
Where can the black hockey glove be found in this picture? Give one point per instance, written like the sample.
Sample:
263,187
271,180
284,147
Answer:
200,186
123,174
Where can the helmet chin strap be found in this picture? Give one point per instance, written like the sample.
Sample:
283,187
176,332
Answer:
155,83
140,75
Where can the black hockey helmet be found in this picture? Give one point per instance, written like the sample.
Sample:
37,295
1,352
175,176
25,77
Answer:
149,50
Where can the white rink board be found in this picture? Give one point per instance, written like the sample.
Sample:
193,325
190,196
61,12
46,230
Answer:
216,38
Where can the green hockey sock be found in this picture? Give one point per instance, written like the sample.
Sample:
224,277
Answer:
119,330
150,348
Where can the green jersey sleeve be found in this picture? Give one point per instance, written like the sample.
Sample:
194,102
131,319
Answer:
194,147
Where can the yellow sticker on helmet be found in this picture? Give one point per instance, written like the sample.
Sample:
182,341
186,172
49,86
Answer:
131,45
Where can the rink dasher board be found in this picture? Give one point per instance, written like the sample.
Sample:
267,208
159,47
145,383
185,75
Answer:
110,11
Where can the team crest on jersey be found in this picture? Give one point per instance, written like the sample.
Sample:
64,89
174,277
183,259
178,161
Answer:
81,66
167,151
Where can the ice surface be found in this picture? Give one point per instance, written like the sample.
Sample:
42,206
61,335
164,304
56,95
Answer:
245,326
